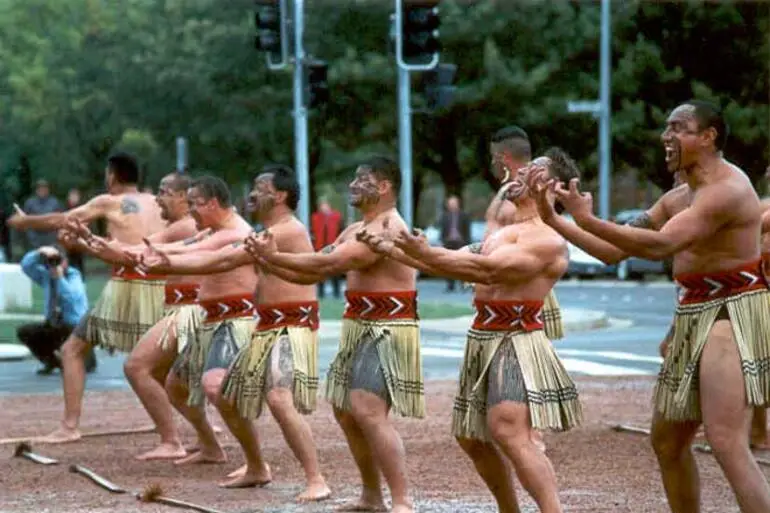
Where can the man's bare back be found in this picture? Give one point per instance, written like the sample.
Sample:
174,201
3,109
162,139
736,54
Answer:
132,217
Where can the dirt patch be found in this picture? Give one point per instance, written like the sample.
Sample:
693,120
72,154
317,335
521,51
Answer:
598,470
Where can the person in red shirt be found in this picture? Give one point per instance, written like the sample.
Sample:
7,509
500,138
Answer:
326,225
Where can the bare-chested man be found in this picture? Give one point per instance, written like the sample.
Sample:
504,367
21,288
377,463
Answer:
226,298
132,301
378,365
715,367
279,366
149,363
511,380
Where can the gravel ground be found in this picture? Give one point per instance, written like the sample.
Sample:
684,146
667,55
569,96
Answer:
598,470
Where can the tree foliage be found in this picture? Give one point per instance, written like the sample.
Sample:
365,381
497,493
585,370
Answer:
81,78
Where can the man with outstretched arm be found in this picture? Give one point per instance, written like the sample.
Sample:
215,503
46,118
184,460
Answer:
228,304
132,301
279,365
715,369
378,366
511,381
149,363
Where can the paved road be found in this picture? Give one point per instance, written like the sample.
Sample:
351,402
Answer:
641,315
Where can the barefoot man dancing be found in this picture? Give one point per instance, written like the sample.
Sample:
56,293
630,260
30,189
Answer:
715,369
228,304
131,302
511,380
378,365
148,364
279,365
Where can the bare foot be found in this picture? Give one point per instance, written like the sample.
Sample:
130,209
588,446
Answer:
316,491
363,505
191,448
761,444
164,452
62,435
249,479
241,471
402,508
204,456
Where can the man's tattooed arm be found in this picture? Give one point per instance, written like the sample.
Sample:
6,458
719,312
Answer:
129,206
642,221
328,249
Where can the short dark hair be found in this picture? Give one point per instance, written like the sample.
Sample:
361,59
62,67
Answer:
562,168
710,115
180,182
515,141
385,168
284,180
213,187
124,168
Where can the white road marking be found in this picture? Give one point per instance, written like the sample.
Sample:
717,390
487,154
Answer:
601,369
611,355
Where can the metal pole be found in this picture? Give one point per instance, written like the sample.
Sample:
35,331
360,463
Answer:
181,154
405,144
605,155
300,117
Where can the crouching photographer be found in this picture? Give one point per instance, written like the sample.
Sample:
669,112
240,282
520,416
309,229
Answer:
65,303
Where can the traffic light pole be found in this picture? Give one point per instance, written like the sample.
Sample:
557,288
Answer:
300,117
405,144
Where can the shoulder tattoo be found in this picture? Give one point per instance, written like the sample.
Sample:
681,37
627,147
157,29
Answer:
643,221
129,206
474,248
328,249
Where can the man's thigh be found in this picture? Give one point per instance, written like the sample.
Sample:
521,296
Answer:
722,390
280,365
366,371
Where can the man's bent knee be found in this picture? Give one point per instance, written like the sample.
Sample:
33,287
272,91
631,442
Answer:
133,368
671,439
74,347
474,448
367,408
212,384
279,400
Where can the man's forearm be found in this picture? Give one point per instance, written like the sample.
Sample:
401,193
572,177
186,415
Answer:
634,241
289,275
46,222
306,263
203,262
591,244
459,265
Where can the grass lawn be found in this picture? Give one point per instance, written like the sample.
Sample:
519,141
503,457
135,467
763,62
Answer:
330,308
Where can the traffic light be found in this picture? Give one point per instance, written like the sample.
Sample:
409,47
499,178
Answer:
272,37
439,91
317,89
419,43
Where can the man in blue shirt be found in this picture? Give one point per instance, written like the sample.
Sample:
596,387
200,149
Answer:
65,303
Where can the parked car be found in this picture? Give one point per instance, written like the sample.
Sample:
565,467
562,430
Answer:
635,268
584,265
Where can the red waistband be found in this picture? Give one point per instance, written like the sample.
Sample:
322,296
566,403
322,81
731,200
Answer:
228,307
125,272
278,315
508,315
182,293
700,288
381,305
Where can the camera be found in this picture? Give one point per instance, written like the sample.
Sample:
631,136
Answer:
53,261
